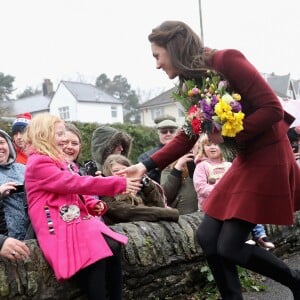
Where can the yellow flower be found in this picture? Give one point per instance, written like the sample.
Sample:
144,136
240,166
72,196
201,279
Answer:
233,125
236,97
221,110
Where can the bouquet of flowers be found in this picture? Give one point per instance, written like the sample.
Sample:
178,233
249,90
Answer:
209,106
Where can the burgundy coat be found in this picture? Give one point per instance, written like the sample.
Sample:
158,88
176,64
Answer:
263,184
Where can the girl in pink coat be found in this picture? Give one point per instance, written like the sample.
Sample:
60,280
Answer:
71,236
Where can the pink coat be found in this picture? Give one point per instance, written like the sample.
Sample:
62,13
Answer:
68,246
203,171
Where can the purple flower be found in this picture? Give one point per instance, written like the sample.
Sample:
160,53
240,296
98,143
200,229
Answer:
222,84
236,106
207,109
214,101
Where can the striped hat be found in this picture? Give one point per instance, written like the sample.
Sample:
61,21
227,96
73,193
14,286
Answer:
21,122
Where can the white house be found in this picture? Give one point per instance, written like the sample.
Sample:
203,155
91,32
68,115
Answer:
162,105
77,101
35,104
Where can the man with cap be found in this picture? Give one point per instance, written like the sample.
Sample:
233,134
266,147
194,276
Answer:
18,129
166,129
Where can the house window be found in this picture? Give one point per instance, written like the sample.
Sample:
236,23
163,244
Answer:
114,111
64,112
157,112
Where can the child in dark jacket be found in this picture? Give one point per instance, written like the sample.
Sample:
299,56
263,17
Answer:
147,205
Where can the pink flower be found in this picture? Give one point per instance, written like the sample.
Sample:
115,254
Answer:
195,91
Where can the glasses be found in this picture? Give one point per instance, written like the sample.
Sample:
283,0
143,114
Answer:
166,130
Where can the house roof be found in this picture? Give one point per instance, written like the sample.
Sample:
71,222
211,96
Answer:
33,104
162,99
279,84
86,92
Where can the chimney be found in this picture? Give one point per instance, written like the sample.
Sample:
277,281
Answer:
47,87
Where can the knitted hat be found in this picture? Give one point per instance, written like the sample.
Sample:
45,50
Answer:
21,122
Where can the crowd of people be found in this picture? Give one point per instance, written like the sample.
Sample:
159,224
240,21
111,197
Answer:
47,190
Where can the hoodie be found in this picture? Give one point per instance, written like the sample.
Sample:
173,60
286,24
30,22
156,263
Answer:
104,141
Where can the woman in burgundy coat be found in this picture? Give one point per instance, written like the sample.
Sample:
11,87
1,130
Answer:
262,186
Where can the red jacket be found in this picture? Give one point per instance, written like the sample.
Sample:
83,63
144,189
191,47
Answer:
263,184
21,156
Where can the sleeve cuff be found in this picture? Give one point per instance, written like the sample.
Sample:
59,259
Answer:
2,240
149,164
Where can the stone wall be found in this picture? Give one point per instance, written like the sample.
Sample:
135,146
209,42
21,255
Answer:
161,261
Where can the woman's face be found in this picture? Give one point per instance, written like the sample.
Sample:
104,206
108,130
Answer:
212,151
163,60
4,151
72,146
60,135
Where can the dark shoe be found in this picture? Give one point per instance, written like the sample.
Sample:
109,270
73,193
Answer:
265,242
267,264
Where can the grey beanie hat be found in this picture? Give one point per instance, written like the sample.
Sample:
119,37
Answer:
12,151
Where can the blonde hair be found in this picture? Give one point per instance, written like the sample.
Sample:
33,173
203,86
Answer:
40,135
202,141
112,159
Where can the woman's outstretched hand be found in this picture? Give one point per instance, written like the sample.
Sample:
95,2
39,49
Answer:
136,171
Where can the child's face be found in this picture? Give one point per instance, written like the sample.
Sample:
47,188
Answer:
60,135
115,167
212,150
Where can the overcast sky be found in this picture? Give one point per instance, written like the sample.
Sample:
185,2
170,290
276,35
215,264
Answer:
80,39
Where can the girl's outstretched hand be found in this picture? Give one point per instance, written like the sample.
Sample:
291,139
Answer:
133,185
136,171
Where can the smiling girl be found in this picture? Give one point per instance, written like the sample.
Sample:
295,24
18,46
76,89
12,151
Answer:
73,240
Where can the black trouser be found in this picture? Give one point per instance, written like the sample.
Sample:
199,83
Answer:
223,243
103,279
